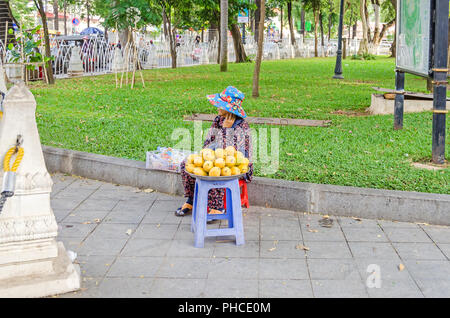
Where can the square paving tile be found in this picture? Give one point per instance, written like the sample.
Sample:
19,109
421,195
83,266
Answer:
372,234
283,269
106,230
156,231
338,250
185,267
119,216
388,272
428,269
98,204
126,287
357,222
101,246
434,288
75,230
231,288
186,248
229,249
322,234
85,216
439,234
238,268
178,288
378,250
289,288
396,224
419,251
138,267
94,265
281,249
280,233
416,235
405,288
445,248
146,247
339,289
333,269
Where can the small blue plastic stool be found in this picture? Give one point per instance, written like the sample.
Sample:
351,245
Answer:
233,211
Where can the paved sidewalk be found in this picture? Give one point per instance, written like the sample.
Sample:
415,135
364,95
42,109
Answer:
130,244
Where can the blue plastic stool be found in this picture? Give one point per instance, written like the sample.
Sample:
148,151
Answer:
233,211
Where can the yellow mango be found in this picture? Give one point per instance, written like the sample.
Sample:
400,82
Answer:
190,167
215,172
198,161
220,153
230,161
199,171
225,172
229,151
243,168
219,163
235,171
208,165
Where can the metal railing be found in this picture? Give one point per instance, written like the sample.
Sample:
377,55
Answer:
98,56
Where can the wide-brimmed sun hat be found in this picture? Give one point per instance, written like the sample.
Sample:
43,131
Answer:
230,100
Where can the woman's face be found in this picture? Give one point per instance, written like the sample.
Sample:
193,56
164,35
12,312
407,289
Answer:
222,112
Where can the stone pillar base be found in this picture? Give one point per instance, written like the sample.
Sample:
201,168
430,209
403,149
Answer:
75,73
41,278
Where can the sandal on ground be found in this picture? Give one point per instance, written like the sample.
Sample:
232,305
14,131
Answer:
185,209
214,211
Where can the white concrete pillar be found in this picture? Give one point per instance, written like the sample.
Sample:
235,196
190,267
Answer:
75,63
32,262
117,64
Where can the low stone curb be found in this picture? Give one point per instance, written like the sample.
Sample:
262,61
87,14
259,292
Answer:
369,203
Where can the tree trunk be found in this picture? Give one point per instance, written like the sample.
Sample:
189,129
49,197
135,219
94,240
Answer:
302,22
257,70
330,20
281,22
172,32
166,33
291,22
88,14
257,18
223,35
48,66
65,17
316,24
238,45
213,32
56,13
355,29
394,43
123,37
322,42
364,44
376,10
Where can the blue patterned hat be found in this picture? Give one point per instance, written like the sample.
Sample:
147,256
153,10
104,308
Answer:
230,100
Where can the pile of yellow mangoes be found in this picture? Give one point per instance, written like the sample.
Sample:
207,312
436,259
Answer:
216,163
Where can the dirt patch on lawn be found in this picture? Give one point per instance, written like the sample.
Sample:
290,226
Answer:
429,165
351,113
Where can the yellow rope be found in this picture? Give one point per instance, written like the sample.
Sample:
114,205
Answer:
16,163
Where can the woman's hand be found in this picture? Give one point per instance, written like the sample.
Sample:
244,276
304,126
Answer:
229,120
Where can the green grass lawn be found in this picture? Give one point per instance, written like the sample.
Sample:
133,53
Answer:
90,114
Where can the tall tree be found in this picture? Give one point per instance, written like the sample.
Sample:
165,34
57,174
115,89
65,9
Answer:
257,70
223,35
291,22
56,13
314,6
40,6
